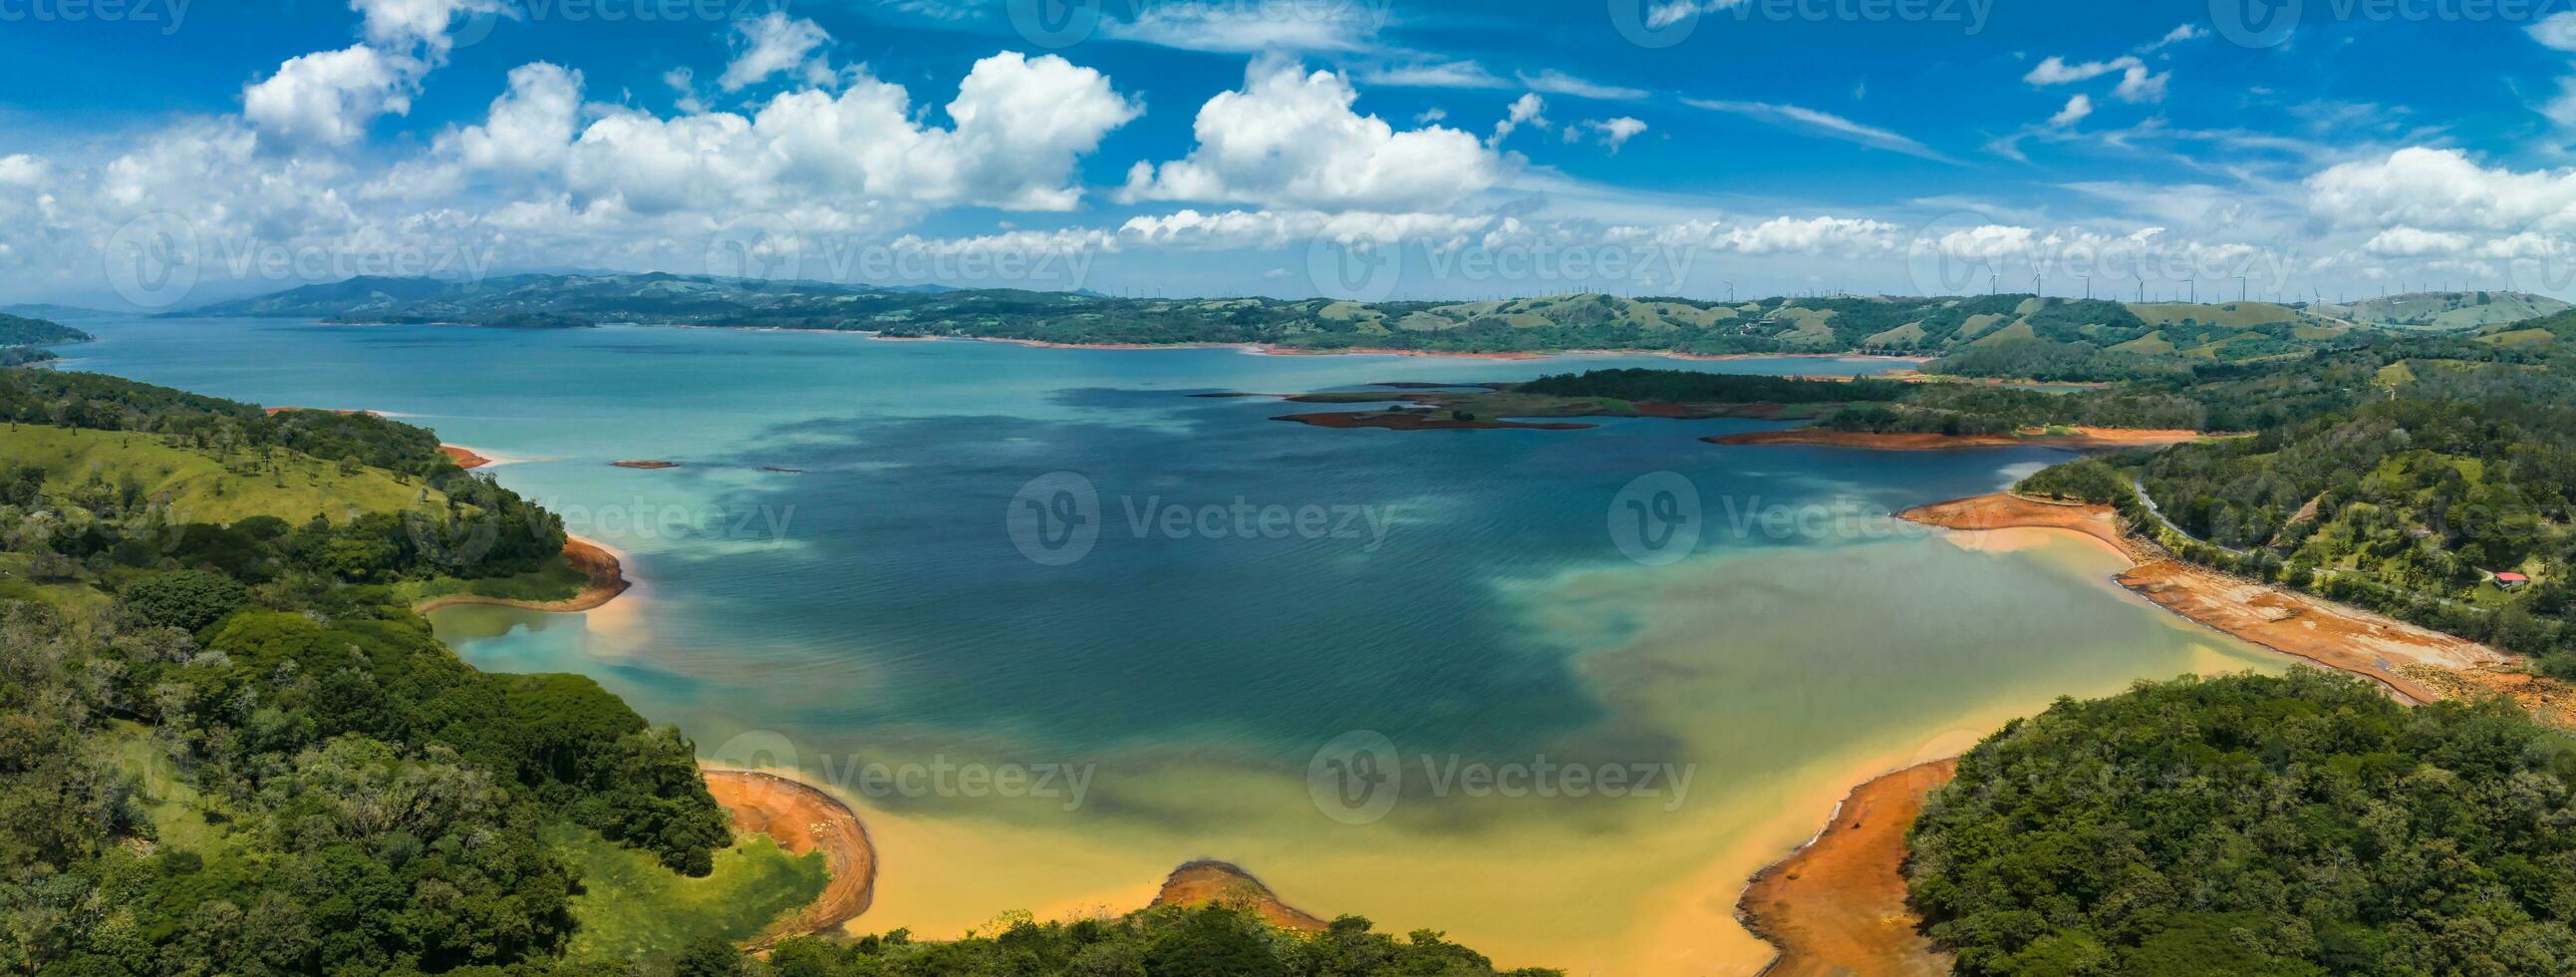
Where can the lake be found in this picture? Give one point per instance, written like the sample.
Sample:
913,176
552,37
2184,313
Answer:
1056,626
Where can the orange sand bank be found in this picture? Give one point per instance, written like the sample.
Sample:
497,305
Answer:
2000,511
2321,631
464,457
2318,630
2084,439
803,818
1838,906
607,580
1224,883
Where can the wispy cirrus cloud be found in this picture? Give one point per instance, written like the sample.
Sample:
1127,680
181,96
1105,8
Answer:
1814,122
1554,82
1237,28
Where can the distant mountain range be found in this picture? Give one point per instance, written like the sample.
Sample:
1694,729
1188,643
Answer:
2096,336
57,313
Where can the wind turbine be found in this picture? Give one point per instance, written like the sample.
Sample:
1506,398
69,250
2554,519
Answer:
2035,290
2241,286
2194,285
2088,287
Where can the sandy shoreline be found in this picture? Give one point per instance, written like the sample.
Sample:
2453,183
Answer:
1838,905
2320,631
803,818
2084,439
464,457
607,580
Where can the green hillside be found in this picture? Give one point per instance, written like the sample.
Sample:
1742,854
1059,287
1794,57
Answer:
2072,335
2447,310
205,486
23,331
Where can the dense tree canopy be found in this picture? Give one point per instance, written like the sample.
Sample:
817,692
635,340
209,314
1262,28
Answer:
1205,941
2256,825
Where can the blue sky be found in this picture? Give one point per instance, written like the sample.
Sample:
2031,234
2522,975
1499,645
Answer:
162,152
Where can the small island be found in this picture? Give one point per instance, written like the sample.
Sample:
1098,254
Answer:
648,464
1670,394
1911,413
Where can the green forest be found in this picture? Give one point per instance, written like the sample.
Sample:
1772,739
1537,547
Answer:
1202,941
18,330
2295,825
2403,475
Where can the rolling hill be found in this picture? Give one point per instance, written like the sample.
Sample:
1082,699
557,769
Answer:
2172,334
2446,310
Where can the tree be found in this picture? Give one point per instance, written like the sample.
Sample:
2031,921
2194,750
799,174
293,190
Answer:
185,599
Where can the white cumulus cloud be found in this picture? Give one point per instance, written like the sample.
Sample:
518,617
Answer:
774,44
329,97
2076,109
1290,138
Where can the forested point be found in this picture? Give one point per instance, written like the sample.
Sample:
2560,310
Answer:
2294,825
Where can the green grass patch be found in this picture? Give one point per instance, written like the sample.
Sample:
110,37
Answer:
557,580
2520,337
2019,330
75,598
173,806
633,910
202,486
2234,315
2151,343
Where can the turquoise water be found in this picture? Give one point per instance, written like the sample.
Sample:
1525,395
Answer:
1463,595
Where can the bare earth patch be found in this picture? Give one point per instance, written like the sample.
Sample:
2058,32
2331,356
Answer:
803,818
1838,906
1223,883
